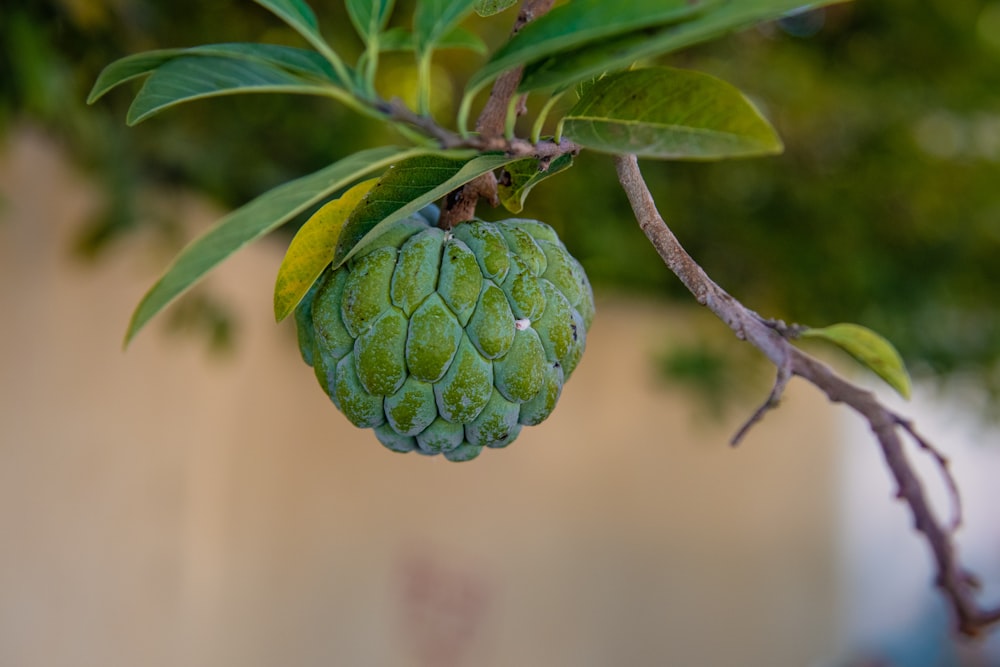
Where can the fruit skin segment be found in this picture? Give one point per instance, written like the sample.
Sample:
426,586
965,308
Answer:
449,342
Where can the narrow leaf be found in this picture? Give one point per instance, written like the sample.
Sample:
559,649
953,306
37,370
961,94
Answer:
433,19
128,68
581,22
669,113
253,220
570,66
490,7
870,349
405,189
312,249
369,16
299,61
520,177
196,77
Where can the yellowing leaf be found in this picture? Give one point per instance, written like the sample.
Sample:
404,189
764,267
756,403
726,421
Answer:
407,187
312,249
255,219
870,349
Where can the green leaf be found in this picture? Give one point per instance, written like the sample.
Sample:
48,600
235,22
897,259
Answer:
401,39
868,348
462,38
521,176
669,113
405,189
581,22
300,16
196,77
433,19
253,220
490,7
312,249
397,39
567,67
301,61
369,16
297,14
131,67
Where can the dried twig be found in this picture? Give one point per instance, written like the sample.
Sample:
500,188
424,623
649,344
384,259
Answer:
957,584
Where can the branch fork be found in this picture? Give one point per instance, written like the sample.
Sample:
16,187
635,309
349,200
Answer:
772,337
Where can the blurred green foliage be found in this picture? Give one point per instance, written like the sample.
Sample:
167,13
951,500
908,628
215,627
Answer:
884,209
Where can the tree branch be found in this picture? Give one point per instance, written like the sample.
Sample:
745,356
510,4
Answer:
461,204
772,338
395,110
493,117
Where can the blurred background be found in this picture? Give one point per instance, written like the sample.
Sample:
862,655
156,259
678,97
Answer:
197,501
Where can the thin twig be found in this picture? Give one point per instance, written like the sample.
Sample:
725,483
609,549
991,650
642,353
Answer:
780,382
395,110
945,466
958,585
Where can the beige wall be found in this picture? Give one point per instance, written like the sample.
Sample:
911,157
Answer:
167,507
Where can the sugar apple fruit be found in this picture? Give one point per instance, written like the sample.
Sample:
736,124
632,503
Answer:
448,342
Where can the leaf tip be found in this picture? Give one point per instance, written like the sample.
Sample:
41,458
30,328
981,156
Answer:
131,331
281,309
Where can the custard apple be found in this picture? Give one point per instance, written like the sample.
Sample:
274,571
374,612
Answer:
448,342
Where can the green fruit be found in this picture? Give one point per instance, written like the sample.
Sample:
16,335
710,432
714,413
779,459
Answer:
448,342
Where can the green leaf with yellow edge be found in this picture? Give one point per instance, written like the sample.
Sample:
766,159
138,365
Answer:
668,113
406,188
312,249
868,348
520,177
255,219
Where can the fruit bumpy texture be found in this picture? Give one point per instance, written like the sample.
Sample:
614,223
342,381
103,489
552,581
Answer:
448,342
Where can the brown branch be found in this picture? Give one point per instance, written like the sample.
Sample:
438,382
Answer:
395,110
461,204
957,585
784,377
493,117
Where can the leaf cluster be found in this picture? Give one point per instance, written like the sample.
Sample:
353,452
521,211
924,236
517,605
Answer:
587,49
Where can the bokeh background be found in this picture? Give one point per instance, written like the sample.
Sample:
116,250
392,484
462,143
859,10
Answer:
197,501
